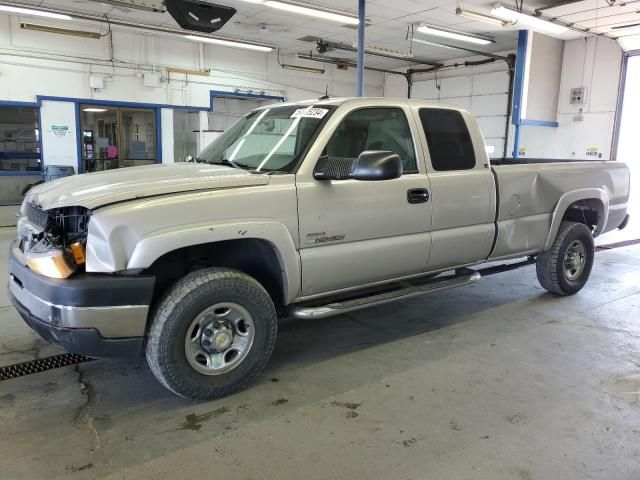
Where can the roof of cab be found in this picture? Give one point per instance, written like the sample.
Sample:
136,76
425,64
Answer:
386,101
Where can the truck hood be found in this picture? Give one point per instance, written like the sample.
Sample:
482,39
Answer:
93,190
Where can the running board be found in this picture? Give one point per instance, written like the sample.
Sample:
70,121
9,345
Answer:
464,277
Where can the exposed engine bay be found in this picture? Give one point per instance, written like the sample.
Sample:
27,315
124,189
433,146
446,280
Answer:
53,241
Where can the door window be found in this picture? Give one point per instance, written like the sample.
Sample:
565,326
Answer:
379,128
448,139
114,137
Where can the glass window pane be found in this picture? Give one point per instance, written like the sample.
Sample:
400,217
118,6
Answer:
114,137
271,139
186,125
19,140
374,129
448,138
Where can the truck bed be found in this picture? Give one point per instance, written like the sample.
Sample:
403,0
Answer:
528,191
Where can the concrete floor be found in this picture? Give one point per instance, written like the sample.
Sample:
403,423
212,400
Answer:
494,381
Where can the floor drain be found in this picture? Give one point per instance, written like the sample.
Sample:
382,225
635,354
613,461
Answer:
41,365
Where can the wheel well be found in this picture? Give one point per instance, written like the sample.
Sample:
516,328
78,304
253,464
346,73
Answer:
257,258
588,211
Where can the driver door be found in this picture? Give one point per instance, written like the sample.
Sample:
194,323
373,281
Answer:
355,233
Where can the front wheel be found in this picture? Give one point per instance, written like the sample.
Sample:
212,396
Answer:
565,268
212,334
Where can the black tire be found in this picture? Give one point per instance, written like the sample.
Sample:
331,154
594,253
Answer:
552,272
184,302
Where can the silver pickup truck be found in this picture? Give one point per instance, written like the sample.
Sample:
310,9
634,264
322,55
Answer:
303,209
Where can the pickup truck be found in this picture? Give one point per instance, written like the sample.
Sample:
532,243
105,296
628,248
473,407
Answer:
304,209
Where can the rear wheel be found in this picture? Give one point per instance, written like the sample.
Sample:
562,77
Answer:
565,268
212,334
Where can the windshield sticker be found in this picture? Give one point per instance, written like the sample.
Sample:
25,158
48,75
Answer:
309,112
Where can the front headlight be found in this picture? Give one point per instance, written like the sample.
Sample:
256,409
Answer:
50,263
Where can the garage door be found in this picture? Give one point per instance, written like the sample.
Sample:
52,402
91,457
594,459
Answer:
485,94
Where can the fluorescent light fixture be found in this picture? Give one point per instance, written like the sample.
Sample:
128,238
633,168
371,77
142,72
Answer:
435,44
58,30
313,12
156,7
481,17
186,71
94,110
230,43
300,68
534,23
389,52
35,13
453,35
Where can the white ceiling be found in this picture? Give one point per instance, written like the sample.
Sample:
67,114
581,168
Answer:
388,20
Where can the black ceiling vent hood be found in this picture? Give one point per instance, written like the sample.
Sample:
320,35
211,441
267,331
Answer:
199,16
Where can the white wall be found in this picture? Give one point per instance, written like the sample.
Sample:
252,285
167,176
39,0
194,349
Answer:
542,78
595,64
592,62
27,69
166,123
37,63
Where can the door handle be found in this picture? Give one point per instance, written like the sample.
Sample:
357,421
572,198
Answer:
417,195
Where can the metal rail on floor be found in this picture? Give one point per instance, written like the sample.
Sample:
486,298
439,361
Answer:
68,359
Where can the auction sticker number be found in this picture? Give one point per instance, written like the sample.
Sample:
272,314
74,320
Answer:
309,112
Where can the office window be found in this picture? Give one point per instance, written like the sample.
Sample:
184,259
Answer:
19,140
114,137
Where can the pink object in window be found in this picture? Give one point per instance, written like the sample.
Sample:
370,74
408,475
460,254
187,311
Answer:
112,151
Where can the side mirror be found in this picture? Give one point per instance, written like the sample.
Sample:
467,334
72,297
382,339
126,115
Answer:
371,165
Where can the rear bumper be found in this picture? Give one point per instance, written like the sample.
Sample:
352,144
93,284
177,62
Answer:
91,314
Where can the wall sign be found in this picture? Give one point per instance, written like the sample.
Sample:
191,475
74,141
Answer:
59,130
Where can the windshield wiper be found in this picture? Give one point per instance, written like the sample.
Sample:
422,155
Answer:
224,161
241,166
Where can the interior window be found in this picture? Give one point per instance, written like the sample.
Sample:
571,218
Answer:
448,138
374,129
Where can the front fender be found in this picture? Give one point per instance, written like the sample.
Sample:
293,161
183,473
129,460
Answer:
151,247
569,198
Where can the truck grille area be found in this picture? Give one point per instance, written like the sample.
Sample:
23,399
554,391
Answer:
36,215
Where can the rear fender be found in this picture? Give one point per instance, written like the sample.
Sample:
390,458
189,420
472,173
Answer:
597,194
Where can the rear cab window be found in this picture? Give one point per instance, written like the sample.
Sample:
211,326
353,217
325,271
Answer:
448,139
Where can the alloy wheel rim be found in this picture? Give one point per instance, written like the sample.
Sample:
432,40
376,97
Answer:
219,338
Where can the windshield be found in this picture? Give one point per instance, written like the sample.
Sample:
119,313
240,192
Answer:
267,140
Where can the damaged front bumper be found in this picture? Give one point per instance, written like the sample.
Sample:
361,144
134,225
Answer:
96,315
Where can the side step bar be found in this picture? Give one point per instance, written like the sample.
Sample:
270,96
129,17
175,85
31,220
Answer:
462,278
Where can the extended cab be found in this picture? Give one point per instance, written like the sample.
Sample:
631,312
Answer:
305,209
